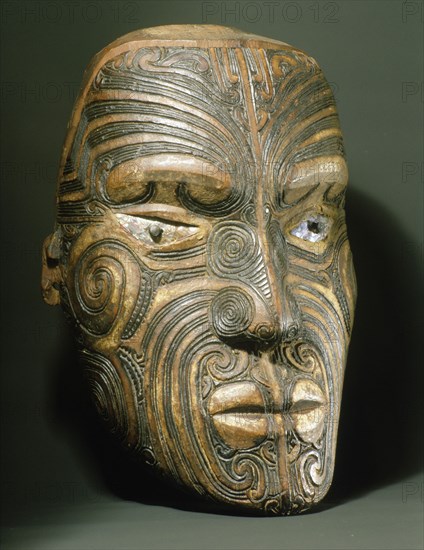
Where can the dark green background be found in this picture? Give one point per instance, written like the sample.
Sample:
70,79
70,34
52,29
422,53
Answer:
64,485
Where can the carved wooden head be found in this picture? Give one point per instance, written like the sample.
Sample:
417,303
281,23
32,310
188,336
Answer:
201,253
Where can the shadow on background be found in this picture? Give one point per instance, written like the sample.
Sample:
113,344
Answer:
381,424
380,433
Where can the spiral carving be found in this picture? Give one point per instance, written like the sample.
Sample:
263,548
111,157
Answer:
231,313
103,272
302,356
248,467
234,252
233,248
312,472
222,363
248,111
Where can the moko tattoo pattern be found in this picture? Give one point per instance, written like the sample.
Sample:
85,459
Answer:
201,254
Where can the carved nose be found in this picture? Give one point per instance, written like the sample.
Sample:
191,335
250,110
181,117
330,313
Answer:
239,319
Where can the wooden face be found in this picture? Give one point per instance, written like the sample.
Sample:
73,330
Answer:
205,264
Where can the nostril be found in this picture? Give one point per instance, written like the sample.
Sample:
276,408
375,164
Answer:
291,332
235,317
265,332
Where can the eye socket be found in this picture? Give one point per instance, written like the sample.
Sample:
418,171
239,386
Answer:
154,231
314,228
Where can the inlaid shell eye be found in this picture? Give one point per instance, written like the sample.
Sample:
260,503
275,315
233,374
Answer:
156,231
315,228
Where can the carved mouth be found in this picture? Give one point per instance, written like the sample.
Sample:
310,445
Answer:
243,419
237,397
238,413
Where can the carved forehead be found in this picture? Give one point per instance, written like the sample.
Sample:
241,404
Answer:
177,36
229,98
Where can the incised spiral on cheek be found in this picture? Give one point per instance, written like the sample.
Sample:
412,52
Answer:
201,254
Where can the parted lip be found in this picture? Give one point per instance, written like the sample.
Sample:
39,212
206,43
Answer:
243,419
237,397
246,397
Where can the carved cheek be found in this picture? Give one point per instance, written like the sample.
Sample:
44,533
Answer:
104,281
347,277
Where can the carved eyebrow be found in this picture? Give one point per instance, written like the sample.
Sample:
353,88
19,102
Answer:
203,181
318,174
321,170
166,167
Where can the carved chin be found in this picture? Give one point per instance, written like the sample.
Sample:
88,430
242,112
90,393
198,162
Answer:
246,429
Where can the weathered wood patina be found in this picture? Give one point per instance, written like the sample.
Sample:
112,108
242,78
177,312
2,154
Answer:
201,253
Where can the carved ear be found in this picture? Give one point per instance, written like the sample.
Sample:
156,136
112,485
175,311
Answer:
51,275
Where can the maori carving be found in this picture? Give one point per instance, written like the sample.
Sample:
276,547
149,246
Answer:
201,253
